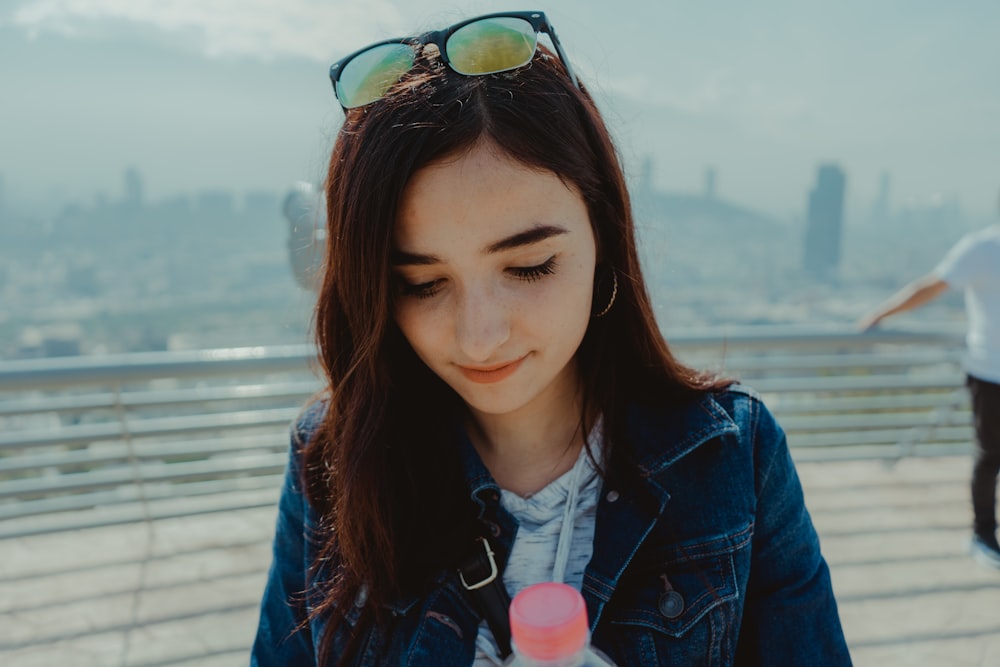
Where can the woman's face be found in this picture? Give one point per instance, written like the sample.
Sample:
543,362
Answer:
495,268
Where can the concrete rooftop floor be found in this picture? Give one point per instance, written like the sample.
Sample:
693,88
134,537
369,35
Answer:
183,592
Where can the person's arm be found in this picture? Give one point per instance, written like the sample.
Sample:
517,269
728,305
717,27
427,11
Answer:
790,616
914,295
283,636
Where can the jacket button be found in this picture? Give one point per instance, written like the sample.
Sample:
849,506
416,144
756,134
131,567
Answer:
612,496
671,604
492,527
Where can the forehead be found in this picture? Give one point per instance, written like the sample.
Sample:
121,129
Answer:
482,195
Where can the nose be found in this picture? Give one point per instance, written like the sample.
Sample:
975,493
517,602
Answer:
482,323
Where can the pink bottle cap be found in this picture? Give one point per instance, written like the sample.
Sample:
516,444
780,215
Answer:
548,621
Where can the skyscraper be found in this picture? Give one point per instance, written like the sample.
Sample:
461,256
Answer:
826,220
132,181
879,213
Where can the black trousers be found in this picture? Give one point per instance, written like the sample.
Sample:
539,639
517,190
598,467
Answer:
986,419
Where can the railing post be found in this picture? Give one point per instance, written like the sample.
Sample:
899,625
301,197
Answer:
140,485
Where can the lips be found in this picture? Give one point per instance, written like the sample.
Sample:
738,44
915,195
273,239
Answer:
491,374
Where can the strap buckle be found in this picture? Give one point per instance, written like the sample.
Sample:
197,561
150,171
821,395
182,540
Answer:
490,578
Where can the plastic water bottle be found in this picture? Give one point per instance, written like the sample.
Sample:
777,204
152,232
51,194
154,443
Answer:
548,625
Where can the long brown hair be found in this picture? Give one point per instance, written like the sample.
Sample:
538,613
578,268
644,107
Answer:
382,470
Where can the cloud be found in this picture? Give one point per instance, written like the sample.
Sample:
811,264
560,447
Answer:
265,29
719,95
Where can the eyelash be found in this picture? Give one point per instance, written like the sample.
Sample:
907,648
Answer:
526,273
533,273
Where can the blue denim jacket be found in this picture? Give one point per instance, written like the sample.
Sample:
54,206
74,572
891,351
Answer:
723,567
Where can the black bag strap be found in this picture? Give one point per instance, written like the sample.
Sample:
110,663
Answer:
482,579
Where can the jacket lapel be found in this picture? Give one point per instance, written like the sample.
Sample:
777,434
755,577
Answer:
626,515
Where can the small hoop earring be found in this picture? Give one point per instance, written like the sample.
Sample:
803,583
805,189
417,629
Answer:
614,295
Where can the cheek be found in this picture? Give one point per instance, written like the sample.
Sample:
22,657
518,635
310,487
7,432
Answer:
572,293
563,306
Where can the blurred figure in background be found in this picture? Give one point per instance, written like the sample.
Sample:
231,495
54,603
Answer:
305,210
972,266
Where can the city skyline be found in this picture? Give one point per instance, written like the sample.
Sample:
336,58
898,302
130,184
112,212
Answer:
132,184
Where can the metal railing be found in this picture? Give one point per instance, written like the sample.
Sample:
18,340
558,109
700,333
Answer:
96,441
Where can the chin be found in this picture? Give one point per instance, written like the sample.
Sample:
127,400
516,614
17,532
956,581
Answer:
499,405
495,407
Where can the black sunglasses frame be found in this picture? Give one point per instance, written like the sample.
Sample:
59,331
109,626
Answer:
539,23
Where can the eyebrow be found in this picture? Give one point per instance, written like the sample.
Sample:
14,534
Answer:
531,236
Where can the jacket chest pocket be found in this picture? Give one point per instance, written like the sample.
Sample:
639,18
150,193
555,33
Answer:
436,631
677,607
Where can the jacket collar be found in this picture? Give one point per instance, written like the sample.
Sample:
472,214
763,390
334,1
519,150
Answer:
663,434
483,488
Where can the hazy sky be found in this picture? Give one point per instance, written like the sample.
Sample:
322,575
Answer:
233,93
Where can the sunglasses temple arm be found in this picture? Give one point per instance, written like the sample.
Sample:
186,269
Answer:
562,55
333,80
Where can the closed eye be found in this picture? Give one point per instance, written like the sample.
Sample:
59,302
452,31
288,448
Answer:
419,290
430,288
533,273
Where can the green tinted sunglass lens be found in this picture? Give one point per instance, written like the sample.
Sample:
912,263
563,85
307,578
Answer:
367,77
491,45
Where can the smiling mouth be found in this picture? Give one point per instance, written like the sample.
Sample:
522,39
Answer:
490,374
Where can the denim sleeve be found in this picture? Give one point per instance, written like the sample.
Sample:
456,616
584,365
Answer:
283,638
790,616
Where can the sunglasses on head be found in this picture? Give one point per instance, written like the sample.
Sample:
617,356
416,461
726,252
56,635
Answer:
483,45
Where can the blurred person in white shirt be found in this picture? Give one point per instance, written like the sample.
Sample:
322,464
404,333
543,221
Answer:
973,267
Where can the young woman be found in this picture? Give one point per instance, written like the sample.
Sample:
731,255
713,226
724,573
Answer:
501,407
